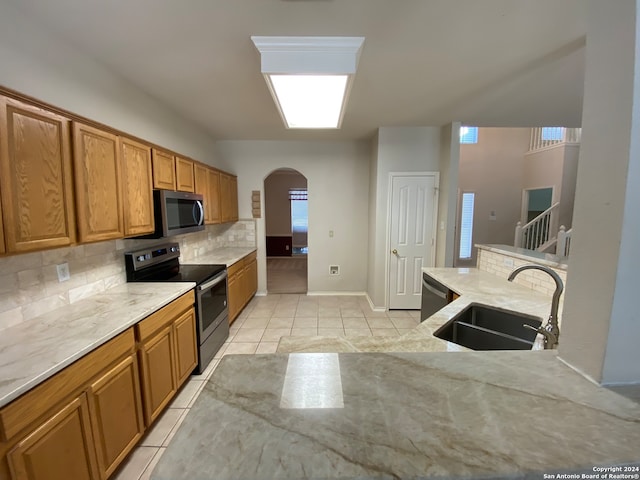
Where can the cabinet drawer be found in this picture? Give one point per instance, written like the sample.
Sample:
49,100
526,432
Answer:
235,268
37,401
164,316
250,258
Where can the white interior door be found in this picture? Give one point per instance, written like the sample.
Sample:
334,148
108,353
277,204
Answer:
412,237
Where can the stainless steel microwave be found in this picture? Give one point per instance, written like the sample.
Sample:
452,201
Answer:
177,213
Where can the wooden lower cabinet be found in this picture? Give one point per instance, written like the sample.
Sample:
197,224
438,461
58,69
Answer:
158,373
59,449
168,353
234,295
242,284
186,344
82,422
116,414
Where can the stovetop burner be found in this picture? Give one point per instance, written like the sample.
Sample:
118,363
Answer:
160,264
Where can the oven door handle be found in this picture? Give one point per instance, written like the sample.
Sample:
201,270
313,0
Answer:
212,283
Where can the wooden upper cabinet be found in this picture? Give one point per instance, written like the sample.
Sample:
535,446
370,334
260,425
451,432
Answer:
164,170
201,174
228,198
96,158
137,188
184,175
214,195
225,197
36,177
234,198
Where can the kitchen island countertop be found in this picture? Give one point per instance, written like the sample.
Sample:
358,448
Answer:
507,414
474,287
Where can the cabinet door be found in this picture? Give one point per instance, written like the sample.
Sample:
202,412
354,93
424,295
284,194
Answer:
186,345
225,198
184,175
233,181
158,373
235,296
59,449
164,170
2,250
137,187
252,278
36,177
201,174
97,178
214,195
116,414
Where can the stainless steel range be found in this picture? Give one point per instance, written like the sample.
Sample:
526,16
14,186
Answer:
160,263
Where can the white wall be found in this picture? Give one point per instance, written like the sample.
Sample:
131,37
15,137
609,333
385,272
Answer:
601,330
493,170
338,187
399,149
277,205
40,64
447,200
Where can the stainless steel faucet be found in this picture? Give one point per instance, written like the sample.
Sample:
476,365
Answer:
550,330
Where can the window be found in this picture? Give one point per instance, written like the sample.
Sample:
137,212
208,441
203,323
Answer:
468,134
552,133
466,225
299,220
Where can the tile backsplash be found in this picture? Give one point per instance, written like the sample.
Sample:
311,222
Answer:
29,284
493,262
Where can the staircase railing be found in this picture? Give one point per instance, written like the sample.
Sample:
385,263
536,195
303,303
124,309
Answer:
551,136
538,231
564,242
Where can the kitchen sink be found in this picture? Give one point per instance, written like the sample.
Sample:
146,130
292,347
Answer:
485,328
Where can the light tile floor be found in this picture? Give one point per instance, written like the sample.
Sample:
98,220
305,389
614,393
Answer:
258,329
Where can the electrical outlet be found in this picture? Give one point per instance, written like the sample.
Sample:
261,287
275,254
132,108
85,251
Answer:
334,269
330,233
63,272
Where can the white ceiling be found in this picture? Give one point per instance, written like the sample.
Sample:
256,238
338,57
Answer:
424,62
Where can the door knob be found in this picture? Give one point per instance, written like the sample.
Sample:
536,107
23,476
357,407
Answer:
394,251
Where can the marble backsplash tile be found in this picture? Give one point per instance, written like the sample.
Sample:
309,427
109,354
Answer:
495,263
29,284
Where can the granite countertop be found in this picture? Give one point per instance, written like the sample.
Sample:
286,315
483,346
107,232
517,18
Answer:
225,255
508,414
474,287
35,350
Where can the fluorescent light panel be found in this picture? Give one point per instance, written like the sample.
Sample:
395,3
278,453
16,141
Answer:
309,77
310,101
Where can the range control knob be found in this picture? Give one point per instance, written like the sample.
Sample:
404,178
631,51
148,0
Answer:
174,249
140,258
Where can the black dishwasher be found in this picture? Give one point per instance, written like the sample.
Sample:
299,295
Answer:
434,297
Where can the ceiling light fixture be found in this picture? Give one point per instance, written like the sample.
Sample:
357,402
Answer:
309,77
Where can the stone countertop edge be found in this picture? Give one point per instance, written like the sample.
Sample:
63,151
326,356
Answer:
223,256
37,349
474,286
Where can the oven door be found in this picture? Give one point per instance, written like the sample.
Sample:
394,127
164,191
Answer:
212,305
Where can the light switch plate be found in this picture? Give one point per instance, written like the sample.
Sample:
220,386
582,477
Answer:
63,272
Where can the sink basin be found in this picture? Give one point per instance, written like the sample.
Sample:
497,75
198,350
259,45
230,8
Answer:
484,328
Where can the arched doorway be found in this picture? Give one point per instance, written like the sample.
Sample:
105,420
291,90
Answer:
286,227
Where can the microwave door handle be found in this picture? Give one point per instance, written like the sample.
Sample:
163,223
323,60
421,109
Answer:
197,207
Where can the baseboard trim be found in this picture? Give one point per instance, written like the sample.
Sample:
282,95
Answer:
318,293
372,306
